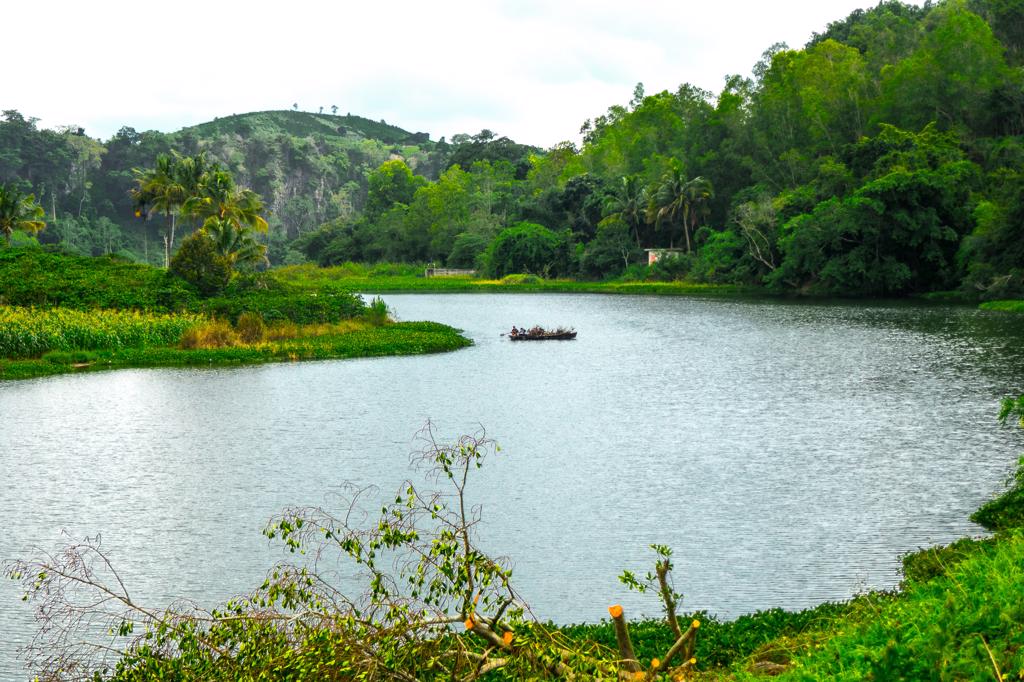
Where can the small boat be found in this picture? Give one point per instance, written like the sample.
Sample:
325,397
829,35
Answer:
538,334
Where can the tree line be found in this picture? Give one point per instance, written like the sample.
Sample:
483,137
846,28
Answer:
882,158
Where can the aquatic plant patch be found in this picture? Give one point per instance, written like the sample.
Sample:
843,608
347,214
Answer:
326,342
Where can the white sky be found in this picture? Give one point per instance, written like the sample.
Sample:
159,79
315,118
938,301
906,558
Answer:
528,69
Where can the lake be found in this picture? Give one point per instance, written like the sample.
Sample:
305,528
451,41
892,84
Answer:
788,452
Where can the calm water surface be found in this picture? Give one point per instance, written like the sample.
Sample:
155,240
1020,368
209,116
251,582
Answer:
788,452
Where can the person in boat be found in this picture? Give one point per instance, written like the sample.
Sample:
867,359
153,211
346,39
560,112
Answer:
522,331
514,332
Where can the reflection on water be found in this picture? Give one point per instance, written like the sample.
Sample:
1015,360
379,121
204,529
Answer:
788,452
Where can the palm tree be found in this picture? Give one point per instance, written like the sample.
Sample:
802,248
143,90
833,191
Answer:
697,192
160,190
235,242
677,198
667,201
628,202
217,197
19,212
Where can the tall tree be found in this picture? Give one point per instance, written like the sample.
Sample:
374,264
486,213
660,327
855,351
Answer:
665,202
160,190
628,202
697,193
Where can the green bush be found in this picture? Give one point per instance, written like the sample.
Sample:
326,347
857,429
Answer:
1007,510
467,250
377,313
719,644
198,263
528,247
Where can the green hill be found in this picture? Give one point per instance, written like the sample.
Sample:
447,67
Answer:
307,124
309,168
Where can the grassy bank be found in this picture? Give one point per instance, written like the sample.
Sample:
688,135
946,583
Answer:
351,278
65,313
964,621
1010,306
402,338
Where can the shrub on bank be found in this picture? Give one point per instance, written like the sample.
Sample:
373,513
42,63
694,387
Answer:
251,328
198,262
1007,510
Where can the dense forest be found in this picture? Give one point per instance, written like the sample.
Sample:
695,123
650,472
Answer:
885,157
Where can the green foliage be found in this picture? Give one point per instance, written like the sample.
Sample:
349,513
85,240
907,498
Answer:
958,64
935,562
670,268
282,304
818,134
487,147
199,263
966,624
377,312
39,277
611,251
896,234
520,278
18,212
300,124
1012,306
721,259
719,644
528,247
467,250
235,243
1007,510
392,183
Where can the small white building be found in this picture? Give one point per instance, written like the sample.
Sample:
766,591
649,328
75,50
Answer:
655,255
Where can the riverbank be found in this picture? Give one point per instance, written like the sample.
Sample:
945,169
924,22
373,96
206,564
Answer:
400,338
959,614
401,280
1007,306
62,313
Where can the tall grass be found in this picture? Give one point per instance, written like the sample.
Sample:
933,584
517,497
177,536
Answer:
30,332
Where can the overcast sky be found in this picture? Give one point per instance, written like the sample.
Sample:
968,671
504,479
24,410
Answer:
529,69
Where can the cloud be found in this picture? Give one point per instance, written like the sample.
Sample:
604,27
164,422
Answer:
528,69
